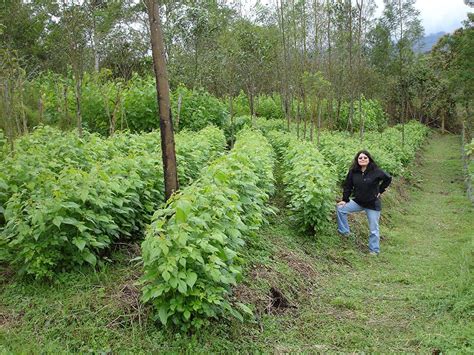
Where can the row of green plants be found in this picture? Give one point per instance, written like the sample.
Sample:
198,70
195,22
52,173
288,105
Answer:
192,249
130,105
109,105
366,113
66,200
393,148
386,147
309,181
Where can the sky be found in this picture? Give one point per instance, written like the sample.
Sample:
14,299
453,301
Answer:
439,15
436,15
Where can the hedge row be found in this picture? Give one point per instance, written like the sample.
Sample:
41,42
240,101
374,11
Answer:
309,181
67,211
191,250
386,147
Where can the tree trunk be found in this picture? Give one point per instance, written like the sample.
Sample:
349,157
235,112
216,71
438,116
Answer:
351,74
289,107
66,110
41,108
443,122
113,120
251,98
78,91
319,123
178,114
304,116
285,88
231,112
94,42
10,128
163,97
338,112
298,118
22,106
361,119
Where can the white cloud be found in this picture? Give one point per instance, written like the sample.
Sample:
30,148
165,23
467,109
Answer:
439,15
442,15
436,15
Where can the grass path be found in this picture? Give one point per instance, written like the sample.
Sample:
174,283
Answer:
417,296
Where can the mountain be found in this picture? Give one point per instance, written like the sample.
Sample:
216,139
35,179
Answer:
428,42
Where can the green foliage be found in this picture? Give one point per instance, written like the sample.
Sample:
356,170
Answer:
195,149
339,148
67,199
241,105
372,114
469,148
234,125
132,105
3,145
269,107
191,250
270,125
386,148
198,109
391,140
309,181
141,109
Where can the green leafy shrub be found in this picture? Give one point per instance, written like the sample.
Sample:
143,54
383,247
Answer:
198,109
372,114
339,148
191,250
309,181
195,149
67,209
234,125
269,107
270,125
140,106
240,105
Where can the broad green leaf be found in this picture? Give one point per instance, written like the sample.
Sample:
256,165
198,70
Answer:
80,243
89,257
163,314
191,279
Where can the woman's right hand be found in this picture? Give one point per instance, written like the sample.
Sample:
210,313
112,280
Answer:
341,204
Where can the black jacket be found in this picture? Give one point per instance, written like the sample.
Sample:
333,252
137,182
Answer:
365,186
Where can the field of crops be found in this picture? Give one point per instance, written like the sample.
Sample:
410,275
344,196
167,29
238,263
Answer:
65,201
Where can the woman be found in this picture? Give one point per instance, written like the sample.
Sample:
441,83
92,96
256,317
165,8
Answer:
367,182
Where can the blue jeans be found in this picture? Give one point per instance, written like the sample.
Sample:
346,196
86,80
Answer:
372,216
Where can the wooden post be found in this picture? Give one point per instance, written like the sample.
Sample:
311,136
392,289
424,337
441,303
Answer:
163,97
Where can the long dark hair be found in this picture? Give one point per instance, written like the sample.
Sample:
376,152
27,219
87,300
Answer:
355,163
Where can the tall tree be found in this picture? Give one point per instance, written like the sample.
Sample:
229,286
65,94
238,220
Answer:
163,97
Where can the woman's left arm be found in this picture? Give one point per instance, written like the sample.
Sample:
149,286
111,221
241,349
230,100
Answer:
386,180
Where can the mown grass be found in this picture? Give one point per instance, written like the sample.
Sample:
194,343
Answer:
417,296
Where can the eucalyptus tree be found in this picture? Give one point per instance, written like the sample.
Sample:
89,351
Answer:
452,64
192,30
163,97
22,29
401,19
318,88
255,50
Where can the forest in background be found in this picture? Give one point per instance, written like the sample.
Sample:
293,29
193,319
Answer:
304,61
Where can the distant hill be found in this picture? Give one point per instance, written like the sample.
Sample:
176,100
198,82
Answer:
428,42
